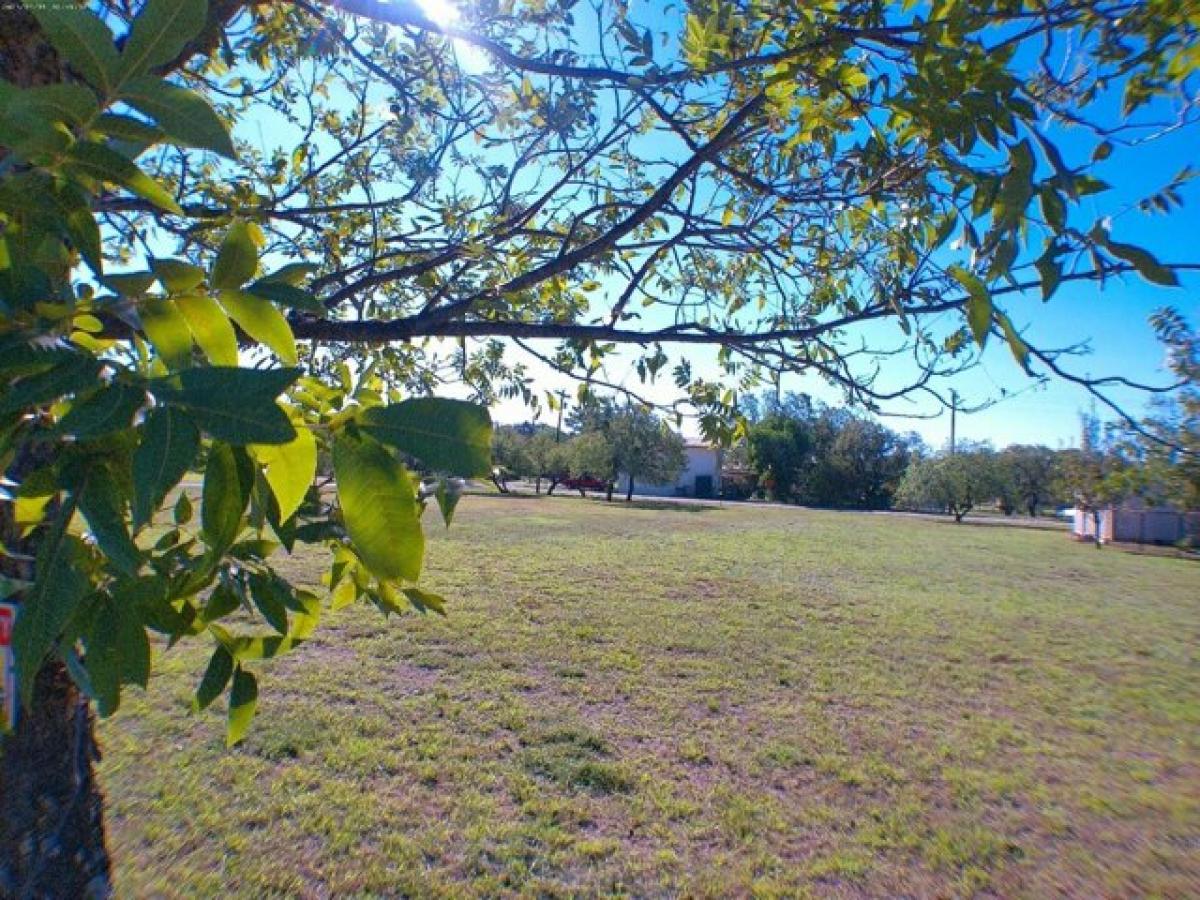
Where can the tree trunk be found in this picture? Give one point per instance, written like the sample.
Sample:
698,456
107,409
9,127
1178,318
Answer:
629,493
537,484
51,810
608,493
553,485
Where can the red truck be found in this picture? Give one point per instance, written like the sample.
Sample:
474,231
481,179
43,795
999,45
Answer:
584,483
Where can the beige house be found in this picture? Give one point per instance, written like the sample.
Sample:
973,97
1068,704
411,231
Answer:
701,477
1136,522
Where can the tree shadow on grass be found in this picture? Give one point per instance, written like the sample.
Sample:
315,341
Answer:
657,505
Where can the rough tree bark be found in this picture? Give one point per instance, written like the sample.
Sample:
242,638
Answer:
52,841
51,810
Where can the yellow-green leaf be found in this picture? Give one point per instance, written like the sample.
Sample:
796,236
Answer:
168,331
979,303
176,275
103,164
237,259
290,469
261,320
243,700
379,507
210,327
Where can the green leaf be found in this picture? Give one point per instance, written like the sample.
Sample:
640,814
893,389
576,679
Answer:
108,409
210,327
242,702
99,162
35,137
423,601
216,676
183,512
134,134
103,506
176,275
169,444
379,507
73,104
237,259
1145,263
1053,208
290,470
1050,272
221,602
80,225
129,284
234,405
292,274
117,651
82,38
979,303
1020,350
261,320
264,591
168,331
183,115
447,496
57,591
160,33
450,436
286,295
1016,188
72,374
224,499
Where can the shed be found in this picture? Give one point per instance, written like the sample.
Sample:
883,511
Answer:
701,477
1136,522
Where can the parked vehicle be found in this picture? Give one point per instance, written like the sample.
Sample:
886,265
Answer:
584,483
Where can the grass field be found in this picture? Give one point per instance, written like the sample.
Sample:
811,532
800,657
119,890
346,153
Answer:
698,702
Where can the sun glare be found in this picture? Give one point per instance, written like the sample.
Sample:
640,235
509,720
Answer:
441,11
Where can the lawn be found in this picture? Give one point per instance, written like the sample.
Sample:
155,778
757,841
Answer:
701,702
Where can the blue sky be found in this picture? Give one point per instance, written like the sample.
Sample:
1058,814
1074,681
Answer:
1111,319
1109,322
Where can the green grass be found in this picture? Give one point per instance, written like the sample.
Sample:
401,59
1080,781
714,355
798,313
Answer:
701,702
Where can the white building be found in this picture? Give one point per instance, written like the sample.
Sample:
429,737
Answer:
1136,522
701,477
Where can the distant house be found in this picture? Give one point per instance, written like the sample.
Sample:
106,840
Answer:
1136,522
701,477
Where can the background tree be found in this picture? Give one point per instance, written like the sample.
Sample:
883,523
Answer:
1164,449
1095,475
778,450
510,458
785,184
1029,474
549,458
644,448
823,455
593,455
856,463
955,483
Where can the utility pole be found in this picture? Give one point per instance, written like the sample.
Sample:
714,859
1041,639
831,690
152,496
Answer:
953,418
562,401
